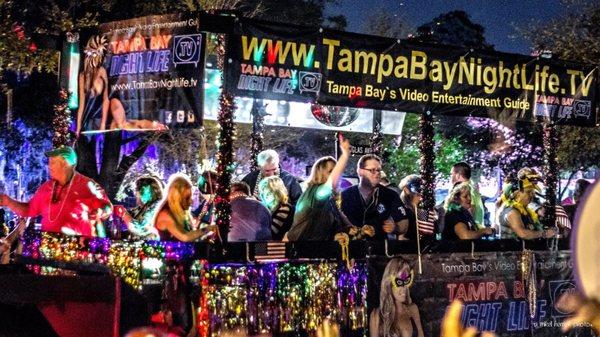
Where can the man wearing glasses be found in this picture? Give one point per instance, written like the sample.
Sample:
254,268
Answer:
372,208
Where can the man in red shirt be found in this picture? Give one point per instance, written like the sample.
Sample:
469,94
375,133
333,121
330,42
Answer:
69,202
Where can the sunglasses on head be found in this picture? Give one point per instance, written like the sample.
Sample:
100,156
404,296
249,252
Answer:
404,280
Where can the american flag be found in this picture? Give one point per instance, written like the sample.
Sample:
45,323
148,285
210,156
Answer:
268,251
426,221
562,218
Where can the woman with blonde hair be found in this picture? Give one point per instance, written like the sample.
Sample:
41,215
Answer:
397,315
94,100
93,87
317,217
458,221
174,220
274,195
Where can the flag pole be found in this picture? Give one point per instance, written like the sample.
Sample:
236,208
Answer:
418,241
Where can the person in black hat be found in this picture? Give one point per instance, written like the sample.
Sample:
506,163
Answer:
411,196
69,202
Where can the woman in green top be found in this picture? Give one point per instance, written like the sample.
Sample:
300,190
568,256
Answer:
317,216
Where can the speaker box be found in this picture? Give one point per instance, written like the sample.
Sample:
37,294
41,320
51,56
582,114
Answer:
82,305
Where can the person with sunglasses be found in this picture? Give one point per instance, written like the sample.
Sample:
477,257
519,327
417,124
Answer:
373,209
397,315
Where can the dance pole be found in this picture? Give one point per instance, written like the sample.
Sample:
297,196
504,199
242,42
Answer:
97,132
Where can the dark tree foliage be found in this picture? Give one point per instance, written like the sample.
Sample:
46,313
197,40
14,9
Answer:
32,70
573,36
454,28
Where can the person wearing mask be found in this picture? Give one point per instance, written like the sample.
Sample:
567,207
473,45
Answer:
250,220
94,101
373,205
397,314
317,216
273,194
268,165
459,222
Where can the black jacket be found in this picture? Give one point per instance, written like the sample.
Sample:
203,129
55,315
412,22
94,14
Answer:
290,182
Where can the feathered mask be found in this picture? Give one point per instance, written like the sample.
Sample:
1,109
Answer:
95,49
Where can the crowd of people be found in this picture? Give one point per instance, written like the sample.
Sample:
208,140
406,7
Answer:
269,203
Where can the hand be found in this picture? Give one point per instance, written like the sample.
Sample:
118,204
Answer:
344,145
353,230
551,232
586,311
159,126
488,231
368,230
389,226
211,228
342,238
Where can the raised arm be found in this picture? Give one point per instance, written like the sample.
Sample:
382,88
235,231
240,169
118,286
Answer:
338,169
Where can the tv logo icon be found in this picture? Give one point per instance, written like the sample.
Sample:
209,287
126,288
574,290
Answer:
582,109
186,49
310,82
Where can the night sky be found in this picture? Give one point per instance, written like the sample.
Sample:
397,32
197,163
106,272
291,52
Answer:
498,17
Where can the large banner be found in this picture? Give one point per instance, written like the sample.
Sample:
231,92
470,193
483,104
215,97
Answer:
299,115
328,67
490,285
144,73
